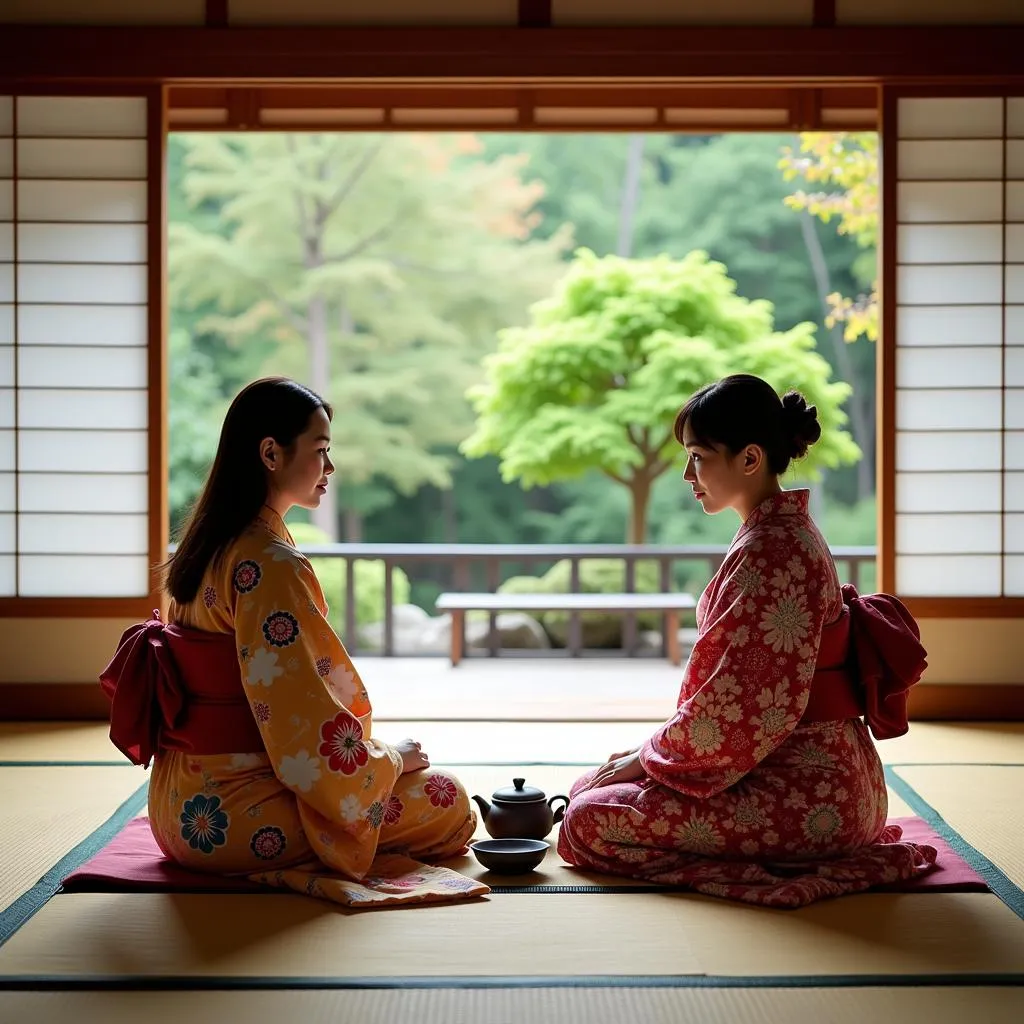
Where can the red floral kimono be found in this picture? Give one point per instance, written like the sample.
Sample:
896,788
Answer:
742,798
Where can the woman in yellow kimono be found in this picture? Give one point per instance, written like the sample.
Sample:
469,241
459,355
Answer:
315,802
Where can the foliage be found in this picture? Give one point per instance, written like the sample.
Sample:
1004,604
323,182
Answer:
333,574
381,266
847,162
595,380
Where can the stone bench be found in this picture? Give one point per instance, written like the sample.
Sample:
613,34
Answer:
670,605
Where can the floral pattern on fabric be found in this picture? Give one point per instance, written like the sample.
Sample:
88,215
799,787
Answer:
327,802
739,799
268,843
203,823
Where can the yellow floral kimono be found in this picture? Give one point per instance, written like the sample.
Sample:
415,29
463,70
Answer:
325,809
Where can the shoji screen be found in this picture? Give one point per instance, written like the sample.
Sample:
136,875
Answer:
959,331
73,330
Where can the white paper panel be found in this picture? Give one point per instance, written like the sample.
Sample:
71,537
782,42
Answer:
6,282
949,285
949,534
1014,527
950,243
948,575
101,201
82,158
949,202
372,12
85,451
6,325
6,242
7,366
955,118
948,410
6,450
8,580
949,325
82,117
1015,158
81,243
82,325
6,158
970,159
1013,415
1013,576
1014,448
121,284
6,200
1015,325
1015,201
1015,117
6,408
83,492
1013,492
1015,282
1015,367
1015,243
949,367
84,575
8,534
940,492
82,533
81,367
927,12
7,492
100,410
6,116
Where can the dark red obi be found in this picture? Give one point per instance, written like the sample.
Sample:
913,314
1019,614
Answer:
174,688
868,660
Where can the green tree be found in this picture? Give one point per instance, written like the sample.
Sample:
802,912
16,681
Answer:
381,267
594,381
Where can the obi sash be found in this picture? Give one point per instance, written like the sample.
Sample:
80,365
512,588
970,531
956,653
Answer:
175,688
869,658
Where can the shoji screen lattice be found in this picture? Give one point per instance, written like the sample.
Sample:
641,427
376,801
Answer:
959,496
73,347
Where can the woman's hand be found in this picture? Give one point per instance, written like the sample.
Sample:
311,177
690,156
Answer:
623,753
413,758
626,768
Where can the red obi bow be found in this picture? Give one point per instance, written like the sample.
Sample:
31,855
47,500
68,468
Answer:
175,688
868,660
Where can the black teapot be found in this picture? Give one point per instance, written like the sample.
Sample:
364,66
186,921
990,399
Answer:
520,812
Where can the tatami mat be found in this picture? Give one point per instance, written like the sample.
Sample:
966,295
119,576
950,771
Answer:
110,936
46,812
983,803
951,1005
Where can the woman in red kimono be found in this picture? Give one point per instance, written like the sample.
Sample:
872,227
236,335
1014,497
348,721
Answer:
764,785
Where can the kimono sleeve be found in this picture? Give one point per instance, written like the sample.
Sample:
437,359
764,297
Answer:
286,648
748,679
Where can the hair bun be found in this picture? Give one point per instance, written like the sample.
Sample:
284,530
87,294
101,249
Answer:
799,423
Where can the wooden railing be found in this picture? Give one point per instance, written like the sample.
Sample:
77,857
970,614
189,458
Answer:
475,567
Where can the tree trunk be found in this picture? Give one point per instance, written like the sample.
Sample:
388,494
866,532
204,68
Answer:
326,516
353,526
630,194
640,493
859,418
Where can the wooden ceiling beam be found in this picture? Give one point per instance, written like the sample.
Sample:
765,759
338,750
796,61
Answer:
170,54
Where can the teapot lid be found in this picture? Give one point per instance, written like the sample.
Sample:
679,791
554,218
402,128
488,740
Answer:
518,792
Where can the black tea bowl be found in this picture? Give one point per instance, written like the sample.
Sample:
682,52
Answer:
509,856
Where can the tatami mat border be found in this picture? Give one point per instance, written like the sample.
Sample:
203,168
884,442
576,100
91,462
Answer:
190,982
32,901
1000,885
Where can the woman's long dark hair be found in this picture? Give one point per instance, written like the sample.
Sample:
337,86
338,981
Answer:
236,487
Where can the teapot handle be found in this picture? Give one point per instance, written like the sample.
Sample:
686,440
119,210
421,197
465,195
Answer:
560,813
